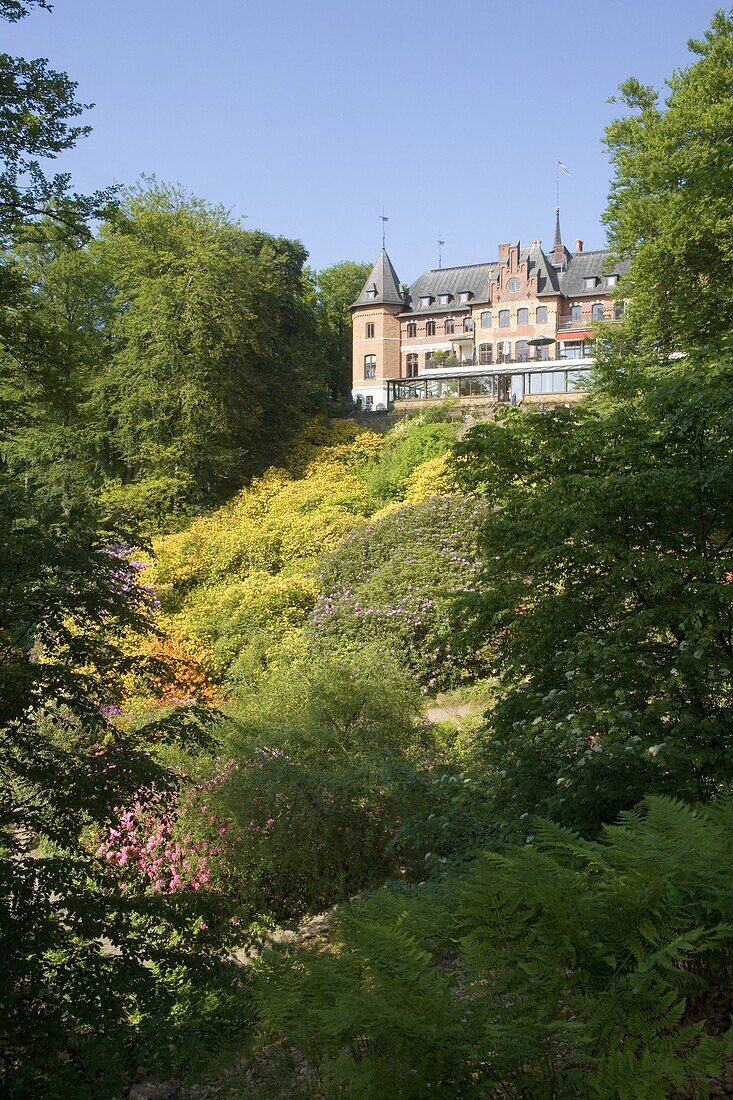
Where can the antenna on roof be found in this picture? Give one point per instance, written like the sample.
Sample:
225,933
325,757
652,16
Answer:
384,227
440,251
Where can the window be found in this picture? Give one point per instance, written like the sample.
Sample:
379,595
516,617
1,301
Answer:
369,401
411,365
571,349
484,354
598,313
430,328
411,328
542,351
428,360
513,286
503,318
611,280
521,351
486,319
465,296
371,294
503,351
576,312
444,299
370,330
450,326
370,366
425,301
577,380
590,282
541,315
619,308
468,324
522,316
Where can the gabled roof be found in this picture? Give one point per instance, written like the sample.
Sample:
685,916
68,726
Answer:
473,278
539,265
384,284
583,265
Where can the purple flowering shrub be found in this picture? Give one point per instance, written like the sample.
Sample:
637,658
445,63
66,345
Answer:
393,584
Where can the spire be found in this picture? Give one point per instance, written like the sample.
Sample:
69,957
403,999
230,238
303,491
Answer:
557,244
382,287
559,255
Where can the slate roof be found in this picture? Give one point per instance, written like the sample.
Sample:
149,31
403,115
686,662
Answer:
383,279
581,266
473,278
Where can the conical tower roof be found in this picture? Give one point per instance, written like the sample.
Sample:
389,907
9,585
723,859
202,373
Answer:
382,287
559,254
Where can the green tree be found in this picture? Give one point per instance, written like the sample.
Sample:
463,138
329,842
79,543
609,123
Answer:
336,288
671,201
212,365
611,546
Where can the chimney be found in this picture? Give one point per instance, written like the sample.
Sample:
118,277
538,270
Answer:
578,245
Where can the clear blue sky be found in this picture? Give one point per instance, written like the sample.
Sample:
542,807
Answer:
305,116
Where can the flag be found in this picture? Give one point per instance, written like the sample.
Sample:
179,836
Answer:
564,167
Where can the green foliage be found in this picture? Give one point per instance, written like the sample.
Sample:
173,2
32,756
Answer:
611,604
562,968
410,443
319,785
393,584
335,289
670,202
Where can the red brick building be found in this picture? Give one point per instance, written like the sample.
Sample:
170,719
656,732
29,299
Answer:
517,329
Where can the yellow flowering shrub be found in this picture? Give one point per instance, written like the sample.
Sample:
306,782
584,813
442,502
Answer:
433,478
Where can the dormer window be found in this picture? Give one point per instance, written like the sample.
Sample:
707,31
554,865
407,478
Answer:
371,293
444,299
591,282
464,296
426,301
611,280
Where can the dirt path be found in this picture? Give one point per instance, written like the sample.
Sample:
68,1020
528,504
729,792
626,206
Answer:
450,713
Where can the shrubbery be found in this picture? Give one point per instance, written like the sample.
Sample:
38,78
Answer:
561,968
394,583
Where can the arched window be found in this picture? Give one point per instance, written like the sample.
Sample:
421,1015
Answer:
503,318
503,351
598,313
521,351
522,316
428,360
484,354
411,365
411,329
450,326
541,315
430,328
468,324
370,366
619,308
486,319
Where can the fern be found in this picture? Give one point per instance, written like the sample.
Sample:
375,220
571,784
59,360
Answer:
563,968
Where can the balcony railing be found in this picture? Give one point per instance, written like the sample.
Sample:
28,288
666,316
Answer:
568,323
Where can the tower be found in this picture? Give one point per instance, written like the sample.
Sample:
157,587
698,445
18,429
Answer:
376,344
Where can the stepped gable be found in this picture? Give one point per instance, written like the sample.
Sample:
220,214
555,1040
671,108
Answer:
584,265
382,287
473,278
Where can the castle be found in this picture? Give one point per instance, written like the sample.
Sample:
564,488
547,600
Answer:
518,329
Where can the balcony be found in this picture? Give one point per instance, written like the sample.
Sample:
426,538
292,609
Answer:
567,324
